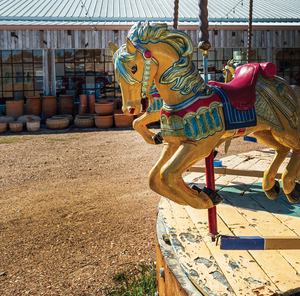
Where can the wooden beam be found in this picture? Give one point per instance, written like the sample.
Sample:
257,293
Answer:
260,243
236,172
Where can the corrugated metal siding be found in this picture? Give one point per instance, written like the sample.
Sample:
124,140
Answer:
154,10
35,39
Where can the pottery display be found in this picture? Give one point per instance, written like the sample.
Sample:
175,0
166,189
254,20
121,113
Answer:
6,119
91,107
104,121
122,120
104,109
84,116
34,105
16,126
101,101
84,122
33,126
70,117
49,106
66,104
3,127
82,104
57,123
14,109
26,118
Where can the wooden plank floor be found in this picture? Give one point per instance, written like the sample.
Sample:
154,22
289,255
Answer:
246,211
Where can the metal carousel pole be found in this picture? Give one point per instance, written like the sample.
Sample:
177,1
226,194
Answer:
204,46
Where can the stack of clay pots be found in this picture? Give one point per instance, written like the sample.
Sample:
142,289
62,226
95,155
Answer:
4,122
14,109
104,117
34,105
28,120
49,107
123,120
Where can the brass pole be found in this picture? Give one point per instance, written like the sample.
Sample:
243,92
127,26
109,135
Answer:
249,32
176,8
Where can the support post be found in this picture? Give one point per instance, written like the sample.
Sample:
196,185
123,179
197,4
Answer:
204,46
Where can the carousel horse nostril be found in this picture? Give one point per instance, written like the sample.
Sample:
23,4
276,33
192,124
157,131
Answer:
131,110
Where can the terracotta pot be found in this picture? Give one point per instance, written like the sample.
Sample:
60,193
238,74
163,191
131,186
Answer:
49,106
123,120
16,126
33,126
6,119
14,109
84,116
57,123
26,118
85,122
66,104
105,121
104,109
82,104
101,101
70,117
3,127
34,106
91,107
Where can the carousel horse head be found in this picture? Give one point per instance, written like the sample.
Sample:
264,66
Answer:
229,70
136,63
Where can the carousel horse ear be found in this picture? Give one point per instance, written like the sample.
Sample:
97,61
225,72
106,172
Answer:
113,48
130,47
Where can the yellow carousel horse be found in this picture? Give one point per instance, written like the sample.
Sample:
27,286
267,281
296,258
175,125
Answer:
196,116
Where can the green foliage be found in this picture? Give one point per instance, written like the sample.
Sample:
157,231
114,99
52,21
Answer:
14,140
137,280
50,140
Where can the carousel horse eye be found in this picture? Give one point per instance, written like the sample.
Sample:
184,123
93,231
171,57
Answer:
134,69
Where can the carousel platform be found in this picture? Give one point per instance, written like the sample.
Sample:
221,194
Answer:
189,263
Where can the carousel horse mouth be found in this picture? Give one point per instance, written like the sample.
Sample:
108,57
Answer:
131,110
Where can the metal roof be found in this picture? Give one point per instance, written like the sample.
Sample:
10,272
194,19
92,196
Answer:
127,11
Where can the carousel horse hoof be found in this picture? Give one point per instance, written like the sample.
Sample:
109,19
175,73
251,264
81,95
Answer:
158,139
215,197
274,191
195,187
294,196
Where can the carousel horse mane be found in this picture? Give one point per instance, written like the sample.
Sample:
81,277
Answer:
183,72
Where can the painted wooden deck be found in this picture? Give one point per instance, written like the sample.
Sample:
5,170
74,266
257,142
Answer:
246,211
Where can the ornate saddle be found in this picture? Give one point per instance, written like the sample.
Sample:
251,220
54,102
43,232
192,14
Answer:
241,90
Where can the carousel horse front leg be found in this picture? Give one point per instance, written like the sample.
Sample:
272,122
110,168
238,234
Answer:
154,178
186,155
270,185
290,187
140,123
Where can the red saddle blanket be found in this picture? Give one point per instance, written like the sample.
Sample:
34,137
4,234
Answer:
241,90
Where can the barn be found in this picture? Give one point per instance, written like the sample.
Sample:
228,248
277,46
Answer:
61,46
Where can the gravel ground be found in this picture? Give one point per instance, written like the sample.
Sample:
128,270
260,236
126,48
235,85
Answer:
75,208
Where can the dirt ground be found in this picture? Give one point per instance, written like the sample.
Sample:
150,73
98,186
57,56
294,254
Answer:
75,206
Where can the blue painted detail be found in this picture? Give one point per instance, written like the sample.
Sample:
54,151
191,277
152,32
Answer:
235,119
202,124
250,139
242,242
217,163
195,127
209,121
216,117
188,130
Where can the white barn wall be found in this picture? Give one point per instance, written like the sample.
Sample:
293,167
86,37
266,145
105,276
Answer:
52,39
